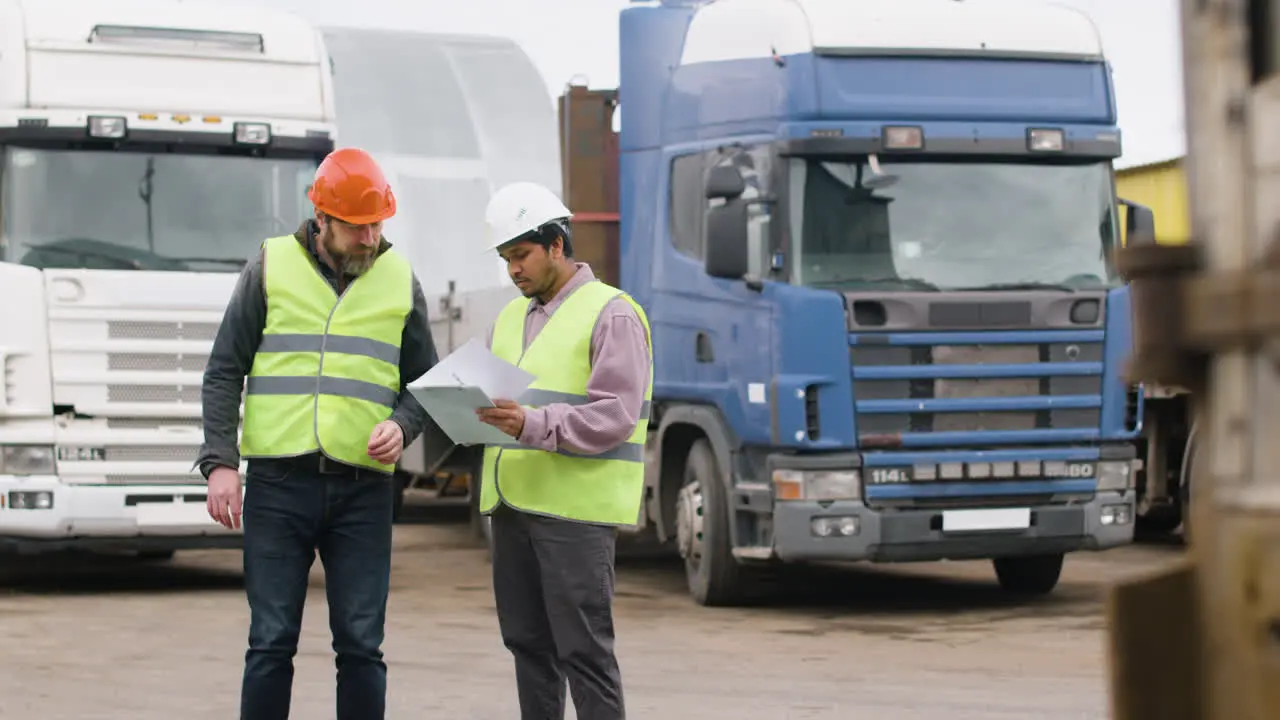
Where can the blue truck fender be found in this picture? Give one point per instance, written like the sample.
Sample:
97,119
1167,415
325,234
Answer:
680,427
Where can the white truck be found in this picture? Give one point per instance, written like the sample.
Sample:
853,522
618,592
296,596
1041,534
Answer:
147,149
148,146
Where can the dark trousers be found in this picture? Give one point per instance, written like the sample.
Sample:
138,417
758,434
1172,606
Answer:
292,509
553,586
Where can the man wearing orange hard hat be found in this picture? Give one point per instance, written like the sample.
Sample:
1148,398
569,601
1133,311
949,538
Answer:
328,325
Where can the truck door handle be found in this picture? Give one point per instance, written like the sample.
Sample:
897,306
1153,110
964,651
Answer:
702,349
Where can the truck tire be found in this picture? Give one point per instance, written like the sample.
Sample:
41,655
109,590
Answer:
714,577
1159,522
1029,575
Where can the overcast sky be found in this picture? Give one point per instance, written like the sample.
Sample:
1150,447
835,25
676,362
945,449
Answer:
568,38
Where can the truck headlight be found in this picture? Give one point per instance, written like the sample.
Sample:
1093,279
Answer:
30,500
110,127
1115,475
26,460
817,484
253,133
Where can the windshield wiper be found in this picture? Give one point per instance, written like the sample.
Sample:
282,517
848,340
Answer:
238,262
99,250
907,282
1019,286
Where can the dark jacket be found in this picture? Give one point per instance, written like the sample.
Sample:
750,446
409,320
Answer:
237,343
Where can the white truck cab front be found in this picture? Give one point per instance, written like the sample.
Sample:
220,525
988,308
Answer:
146,150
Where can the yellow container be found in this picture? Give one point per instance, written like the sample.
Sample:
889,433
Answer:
1161,186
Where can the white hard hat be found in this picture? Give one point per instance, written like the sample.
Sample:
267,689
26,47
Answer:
520,208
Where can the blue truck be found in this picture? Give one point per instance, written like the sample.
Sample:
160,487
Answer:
874,241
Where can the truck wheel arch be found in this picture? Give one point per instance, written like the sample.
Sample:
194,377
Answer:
681,426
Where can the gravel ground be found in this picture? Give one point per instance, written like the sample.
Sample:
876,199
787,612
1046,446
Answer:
113,638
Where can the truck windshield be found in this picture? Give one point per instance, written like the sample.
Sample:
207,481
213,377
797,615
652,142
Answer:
108,210
954,225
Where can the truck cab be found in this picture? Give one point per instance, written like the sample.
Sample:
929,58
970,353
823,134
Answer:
876,254
147,149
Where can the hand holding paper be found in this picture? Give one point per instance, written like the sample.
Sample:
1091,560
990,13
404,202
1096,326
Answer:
467,380
507,416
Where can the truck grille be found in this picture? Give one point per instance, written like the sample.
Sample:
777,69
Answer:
134,384
153,393
151,453
192,479
917,386
145,330
158,362
152,424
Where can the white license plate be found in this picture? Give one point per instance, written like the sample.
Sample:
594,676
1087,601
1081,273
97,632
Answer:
185,513
987,519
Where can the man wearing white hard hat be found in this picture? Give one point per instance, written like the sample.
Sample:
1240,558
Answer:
574,469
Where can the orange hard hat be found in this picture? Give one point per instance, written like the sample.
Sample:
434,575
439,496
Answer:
350,186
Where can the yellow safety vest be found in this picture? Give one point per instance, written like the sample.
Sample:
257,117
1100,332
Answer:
603,489
328,368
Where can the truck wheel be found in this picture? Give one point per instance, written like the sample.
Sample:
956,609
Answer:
1159,522
1031,575
702,532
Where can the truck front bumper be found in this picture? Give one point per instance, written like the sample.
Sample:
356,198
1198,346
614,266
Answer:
806,531
41,513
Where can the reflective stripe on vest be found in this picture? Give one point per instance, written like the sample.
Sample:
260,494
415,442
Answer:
327,370
607,488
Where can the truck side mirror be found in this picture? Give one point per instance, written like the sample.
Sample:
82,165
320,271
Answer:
726,240
1139,226
724,182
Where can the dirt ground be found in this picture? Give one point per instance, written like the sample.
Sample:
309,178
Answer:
121,639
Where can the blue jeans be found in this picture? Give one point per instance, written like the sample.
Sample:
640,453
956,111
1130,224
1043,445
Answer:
292,508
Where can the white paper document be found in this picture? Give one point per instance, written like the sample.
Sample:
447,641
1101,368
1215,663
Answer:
471,377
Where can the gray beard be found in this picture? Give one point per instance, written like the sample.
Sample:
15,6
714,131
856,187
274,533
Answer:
354,265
